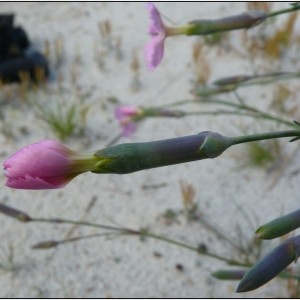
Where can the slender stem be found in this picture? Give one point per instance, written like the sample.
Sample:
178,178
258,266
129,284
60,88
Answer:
222,236
273,118
288,276
253,112
91,203
264,136
222,112
252,109
259,113
183,245
79,223
222,102
284,11
211,113
176,103
114,140
267,78
78,238
136,232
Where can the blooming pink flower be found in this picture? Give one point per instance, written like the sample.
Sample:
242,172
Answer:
158,31
45,165
125,114
154,50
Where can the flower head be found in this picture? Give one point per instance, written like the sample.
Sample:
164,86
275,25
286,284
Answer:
154,50
124,115
46,165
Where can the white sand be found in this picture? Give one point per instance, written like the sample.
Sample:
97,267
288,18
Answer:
125,266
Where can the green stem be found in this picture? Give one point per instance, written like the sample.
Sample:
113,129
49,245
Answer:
267,79
260,114
286,275
79,223
264,115
223,112
114,140
264,136
254,112
222,236
283,11
192,248
132,232
229,84
53,243
176,103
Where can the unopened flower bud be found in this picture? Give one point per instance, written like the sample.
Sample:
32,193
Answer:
279,226
46,165
229,274
271,265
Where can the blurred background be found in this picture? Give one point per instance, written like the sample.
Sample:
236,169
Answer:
83,60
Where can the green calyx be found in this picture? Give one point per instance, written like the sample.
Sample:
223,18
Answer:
85,162
133,157
102,164
241,21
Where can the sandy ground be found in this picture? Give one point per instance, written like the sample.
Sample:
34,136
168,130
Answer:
126,266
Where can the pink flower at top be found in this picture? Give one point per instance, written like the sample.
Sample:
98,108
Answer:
45,165
158,31
154,50
124,115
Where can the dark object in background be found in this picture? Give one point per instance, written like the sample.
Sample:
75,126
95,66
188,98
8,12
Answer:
13,40
15,57
13,70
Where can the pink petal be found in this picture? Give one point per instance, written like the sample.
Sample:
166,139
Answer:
128,129
30,183
45,158
154,52
124,114
156,24
125,111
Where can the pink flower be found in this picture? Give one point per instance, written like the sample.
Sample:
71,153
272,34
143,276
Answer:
125,116
154,50
158,31
45,165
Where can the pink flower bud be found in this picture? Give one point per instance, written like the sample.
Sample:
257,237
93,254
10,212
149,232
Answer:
45,165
